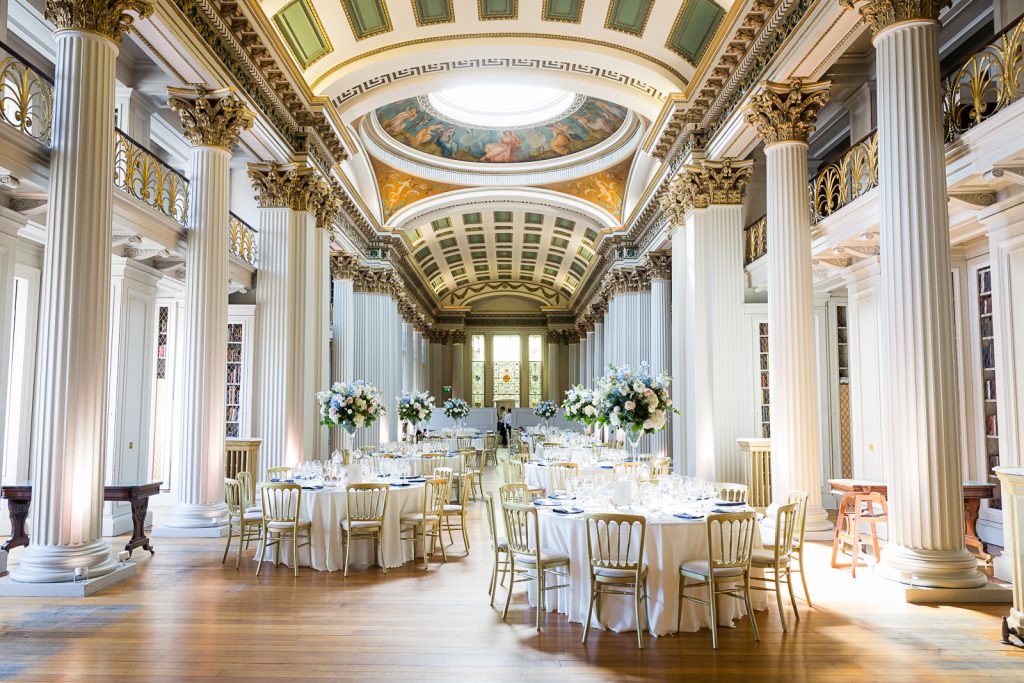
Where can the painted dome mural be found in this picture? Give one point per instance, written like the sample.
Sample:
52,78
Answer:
419,123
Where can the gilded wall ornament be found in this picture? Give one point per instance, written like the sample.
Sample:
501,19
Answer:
881,14
108,18
787,112
210,118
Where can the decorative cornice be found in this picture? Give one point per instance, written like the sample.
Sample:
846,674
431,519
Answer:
881,14
210,118
109,18
787,112
343,265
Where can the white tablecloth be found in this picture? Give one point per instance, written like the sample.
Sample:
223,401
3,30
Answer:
325,508
416,464
537,474
668,543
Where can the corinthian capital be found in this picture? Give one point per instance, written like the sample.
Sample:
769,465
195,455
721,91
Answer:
210,118
287,186
343,266
787,112
328,209
881,14
108,18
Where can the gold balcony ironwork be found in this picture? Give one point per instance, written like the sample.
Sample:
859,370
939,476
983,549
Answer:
26,96
244,240
141,174
755,240
853,176
985,84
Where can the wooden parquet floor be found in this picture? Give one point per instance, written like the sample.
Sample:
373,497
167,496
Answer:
188,617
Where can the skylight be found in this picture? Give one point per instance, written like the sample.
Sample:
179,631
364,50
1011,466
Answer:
501,105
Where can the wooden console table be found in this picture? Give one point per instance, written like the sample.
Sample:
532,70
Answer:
20,495
974,493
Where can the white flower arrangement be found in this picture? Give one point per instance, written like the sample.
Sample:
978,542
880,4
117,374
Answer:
633,400
350,406
456,409
415,407
546,410
578,405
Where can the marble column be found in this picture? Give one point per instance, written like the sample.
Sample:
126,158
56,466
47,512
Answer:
784,115
342,323
212,121
592,376
919,419
281,397
598,360
554,389
682,452
458,371
408,358
660,266
319,283
574,361
69,422
584,361
10,222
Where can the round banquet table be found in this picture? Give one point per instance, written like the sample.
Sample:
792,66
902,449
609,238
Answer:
667,544
325,509
537,474
416,466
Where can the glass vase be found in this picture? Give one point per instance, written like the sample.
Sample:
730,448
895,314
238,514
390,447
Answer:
634,440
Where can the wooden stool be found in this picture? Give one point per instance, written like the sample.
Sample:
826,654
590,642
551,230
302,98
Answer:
853,508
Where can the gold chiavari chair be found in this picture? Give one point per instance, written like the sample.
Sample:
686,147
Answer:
428,461
448,474
248,491
525,546
463,443
472,467
515,473
499,547
631,470
245,525
797,553
427,524
615,544
730,539
281,522
560,473
733,493
458,511
490,454
365,507
514,493
660,467
279,473
775,563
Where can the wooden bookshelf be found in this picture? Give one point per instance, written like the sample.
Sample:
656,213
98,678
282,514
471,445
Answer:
990,425
233,399
764,398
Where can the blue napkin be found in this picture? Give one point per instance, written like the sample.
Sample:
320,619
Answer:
684,515
561,496
568,511
545,503
730,503
275,481
398,484
607,467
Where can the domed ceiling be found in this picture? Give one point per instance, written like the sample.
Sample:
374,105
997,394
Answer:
552,126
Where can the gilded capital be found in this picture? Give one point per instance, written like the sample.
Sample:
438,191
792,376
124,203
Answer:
210,118
328,209
881,14
343,266
287,186
659,265
108,18
787,112
718,182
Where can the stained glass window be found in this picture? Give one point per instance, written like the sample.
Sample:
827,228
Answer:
477,370
506,358
536,369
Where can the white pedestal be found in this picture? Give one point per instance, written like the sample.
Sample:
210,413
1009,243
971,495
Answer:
9,588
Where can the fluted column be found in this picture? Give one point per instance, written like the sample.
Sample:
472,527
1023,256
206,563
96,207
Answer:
212,121
584,362
598,359
682,460
661,312
342,324
458,372
69,423
919,420
784,115
554,389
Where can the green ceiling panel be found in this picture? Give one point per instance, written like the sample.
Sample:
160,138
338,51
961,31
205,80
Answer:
694,28
563,10
301,28
433,12
498,9
629,16
367,17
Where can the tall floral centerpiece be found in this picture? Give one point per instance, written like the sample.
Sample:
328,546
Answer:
350,406
415,407
546,410
578,406
634,401
457,409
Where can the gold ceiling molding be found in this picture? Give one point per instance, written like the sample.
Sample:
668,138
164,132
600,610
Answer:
446,336
881,14
108,18
495,36
787,112
210,118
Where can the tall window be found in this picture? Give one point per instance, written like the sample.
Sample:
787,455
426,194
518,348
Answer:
536,366
477,370
506,351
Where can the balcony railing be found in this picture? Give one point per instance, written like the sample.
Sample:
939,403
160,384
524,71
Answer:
985,84
244,240
141,174
853,176
755,240
26,96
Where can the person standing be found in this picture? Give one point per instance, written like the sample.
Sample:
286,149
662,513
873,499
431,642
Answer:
508,426
501,426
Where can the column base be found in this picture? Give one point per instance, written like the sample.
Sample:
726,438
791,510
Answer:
190,520
931,568
57,563
10,588
1016,621
990,593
